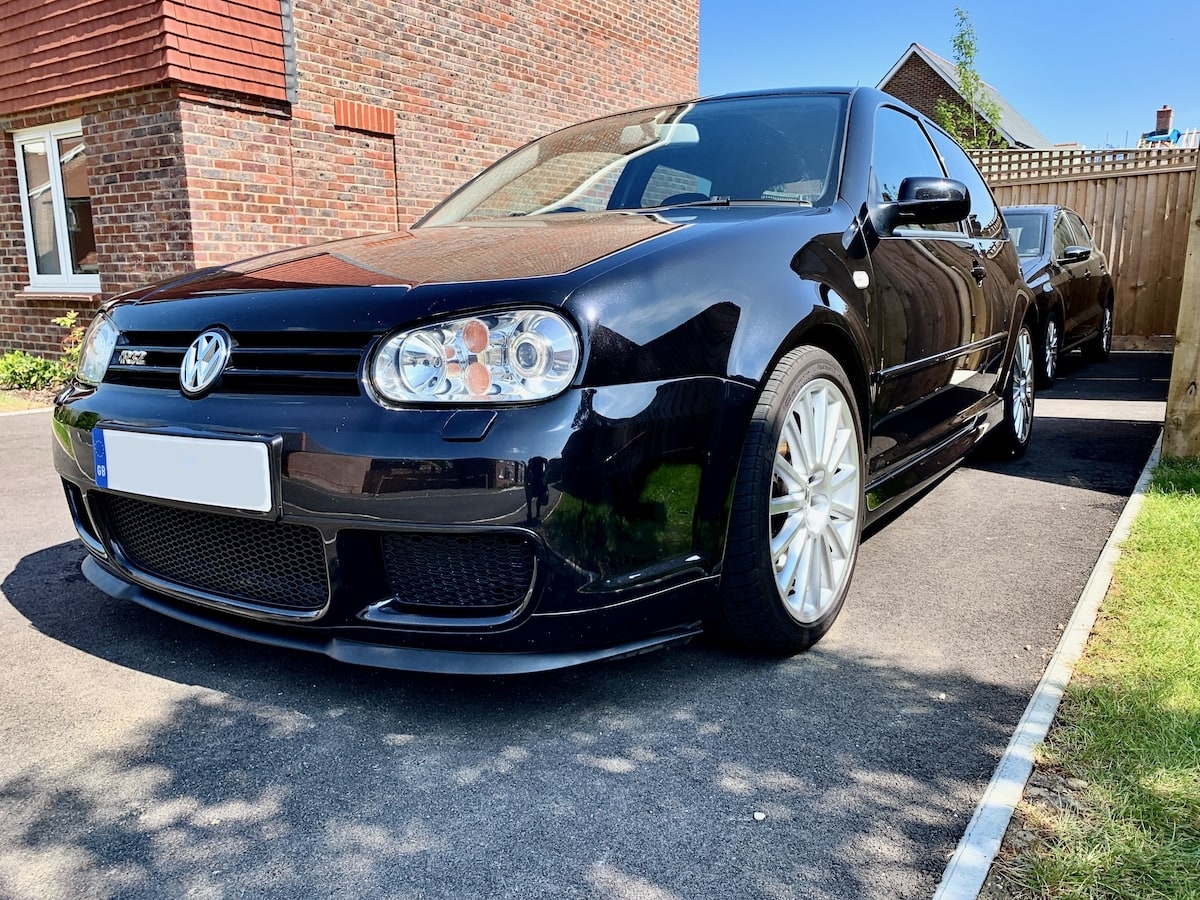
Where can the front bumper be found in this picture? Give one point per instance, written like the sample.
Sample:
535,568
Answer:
471,541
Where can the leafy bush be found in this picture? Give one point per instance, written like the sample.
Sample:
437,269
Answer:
24,371
72,342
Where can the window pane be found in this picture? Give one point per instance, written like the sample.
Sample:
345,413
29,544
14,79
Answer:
902,151
669,182
78,205
985,216
40,201
1062,236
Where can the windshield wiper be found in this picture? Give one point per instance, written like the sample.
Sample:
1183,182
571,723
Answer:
711,201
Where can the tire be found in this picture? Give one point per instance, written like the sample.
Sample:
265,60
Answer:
1048,352
1012,435
1098,348
796,517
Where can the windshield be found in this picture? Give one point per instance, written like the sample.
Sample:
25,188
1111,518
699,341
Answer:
1027,230
779,148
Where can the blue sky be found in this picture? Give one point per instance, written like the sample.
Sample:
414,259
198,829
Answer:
1092,71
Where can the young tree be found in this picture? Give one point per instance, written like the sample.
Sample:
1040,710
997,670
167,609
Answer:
972,121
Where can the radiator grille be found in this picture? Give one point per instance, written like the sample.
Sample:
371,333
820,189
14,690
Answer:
260,362
459,572
276,565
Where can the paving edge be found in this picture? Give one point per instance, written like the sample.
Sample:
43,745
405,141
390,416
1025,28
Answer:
25,412
968,867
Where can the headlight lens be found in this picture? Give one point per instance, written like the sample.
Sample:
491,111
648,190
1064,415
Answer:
505,357
96,350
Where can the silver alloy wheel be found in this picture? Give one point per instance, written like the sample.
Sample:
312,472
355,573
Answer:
1051,349
1022,386
816,501
1106,330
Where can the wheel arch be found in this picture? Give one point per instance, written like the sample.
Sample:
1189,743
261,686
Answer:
839,344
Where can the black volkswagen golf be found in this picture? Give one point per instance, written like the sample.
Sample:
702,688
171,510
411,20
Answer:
647,374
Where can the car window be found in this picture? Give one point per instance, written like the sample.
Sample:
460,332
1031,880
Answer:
666,182
783,148
1027,230
1063,236
901,151
1082,235
985,215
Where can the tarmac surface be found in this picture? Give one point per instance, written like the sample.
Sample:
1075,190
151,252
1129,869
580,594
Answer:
141,757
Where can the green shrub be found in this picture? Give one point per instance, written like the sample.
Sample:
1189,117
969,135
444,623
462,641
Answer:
24,371
71,342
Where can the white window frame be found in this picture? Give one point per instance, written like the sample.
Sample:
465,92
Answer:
67,282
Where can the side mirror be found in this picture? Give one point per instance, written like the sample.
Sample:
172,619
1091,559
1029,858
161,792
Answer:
924,201
1075,253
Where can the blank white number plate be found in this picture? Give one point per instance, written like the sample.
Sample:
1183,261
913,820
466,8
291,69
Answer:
213,472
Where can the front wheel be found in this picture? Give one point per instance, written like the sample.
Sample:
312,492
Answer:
797,510
1012,435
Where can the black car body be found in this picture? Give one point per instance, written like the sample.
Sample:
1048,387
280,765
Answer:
1070,279
646,373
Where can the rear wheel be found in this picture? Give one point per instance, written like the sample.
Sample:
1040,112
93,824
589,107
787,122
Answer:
797,510
1098,348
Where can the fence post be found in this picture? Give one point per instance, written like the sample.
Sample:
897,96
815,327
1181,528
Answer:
1181,431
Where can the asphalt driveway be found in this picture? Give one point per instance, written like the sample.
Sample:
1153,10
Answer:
140,757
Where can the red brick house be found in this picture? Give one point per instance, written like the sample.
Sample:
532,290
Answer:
920,78
140,139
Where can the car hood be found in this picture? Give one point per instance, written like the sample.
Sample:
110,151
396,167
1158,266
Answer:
375,282
493,250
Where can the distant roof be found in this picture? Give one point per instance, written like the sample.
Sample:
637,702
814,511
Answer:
1013,127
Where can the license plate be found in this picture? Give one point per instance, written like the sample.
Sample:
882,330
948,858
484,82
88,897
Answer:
211,471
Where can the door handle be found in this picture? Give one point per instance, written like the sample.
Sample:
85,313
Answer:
978,272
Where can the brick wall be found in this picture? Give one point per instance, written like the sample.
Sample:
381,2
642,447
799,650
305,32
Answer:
397,104
138,177
920,86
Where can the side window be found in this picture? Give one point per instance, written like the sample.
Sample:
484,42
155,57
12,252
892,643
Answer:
986,221
1063,236
1082,235
901,151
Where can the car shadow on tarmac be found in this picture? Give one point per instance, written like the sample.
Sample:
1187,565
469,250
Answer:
286,774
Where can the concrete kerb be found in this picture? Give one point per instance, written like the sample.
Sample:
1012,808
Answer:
25,412
968,867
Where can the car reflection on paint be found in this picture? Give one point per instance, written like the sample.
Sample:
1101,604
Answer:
646,374
1070,279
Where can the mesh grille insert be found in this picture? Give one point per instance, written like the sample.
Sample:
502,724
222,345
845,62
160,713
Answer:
459,571
271,564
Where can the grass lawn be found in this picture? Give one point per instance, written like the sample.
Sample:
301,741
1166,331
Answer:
1113,810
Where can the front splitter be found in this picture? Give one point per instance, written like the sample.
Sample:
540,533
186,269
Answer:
382,656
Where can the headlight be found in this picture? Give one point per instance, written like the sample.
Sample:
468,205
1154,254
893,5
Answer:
504,357
96,350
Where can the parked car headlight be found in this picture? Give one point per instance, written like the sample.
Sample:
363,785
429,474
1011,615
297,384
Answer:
96,350
505,357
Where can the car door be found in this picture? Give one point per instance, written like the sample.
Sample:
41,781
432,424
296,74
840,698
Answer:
926,301
1067,277
1092,289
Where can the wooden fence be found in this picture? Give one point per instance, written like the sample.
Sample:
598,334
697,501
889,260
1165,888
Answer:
1137,204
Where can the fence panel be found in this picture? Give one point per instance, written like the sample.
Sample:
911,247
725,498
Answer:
1137,204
